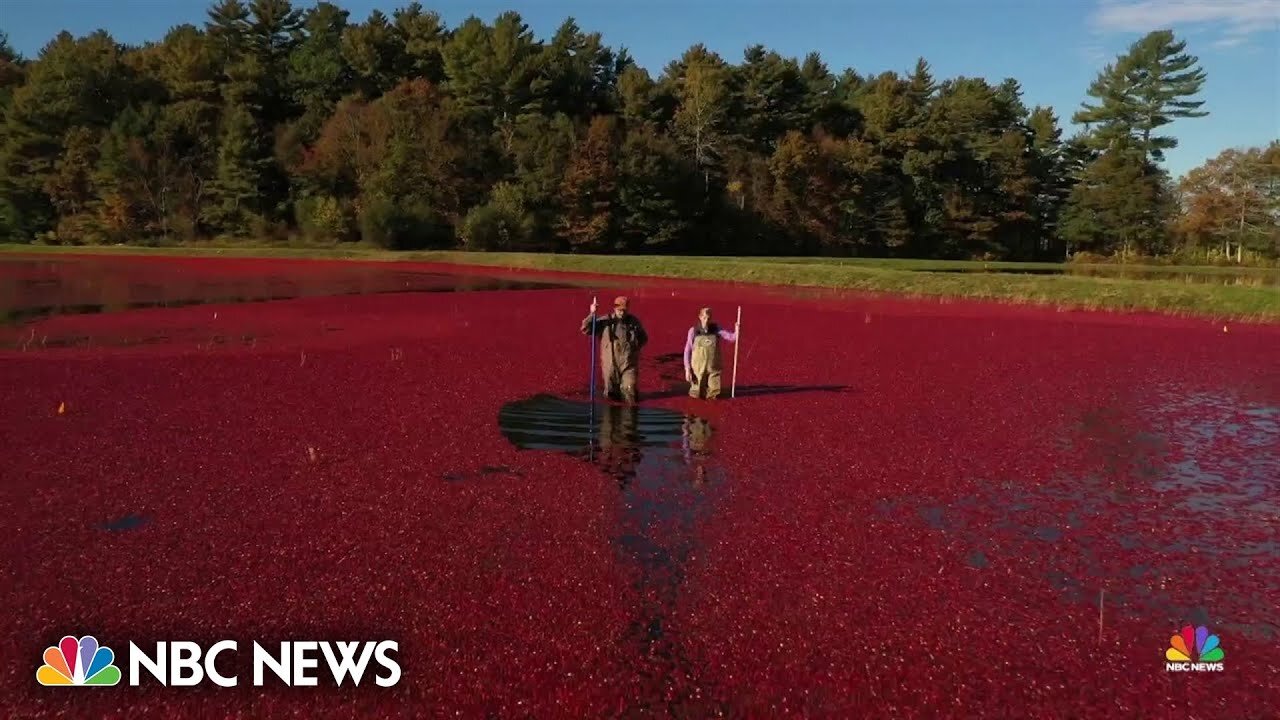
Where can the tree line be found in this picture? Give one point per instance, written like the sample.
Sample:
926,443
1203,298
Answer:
271,122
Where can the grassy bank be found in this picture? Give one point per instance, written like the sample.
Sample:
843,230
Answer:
900,277
1060,290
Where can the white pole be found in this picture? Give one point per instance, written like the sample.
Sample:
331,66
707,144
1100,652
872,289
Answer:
737,343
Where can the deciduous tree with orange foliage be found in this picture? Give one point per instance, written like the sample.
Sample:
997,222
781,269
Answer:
1233,201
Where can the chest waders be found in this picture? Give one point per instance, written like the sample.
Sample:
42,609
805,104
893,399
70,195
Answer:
705,364
619,353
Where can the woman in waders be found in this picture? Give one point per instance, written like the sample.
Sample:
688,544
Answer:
702,356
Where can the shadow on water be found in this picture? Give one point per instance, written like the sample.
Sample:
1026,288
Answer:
671,372
661,462
753,390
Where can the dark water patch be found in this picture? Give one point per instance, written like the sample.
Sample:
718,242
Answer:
132,521
1215,456
1241,279
92,286
934,516
488,471
1139,571
76,341
662,463
1047,534
1229,471
978,559
989,271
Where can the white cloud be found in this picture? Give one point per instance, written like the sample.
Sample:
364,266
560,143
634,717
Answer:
1093,54
1233,20
1229,41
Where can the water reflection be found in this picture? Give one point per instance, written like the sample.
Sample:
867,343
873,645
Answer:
1241,278
663,464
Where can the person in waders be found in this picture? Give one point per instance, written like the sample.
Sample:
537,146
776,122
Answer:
621,339
702,356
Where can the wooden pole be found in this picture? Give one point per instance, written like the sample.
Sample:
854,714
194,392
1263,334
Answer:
1101,595
591,355
737,343
591,371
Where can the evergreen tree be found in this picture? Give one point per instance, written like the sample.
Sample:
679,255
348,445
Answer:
771,99
11,72
422,36
657,193
1050,171
494,74
1120,205
541,151
234,198
318,74
636,95
375,53
1145,89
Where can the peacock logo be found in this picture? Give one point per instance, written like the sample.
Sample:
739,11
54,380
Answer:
1194,642
78,662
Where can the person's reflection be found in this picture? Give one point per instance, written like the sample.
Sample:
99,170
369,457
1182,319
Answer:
697,447
619,441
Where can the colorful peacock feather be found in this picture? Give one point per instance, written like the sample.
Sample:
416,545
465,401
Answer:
79,662
1206,646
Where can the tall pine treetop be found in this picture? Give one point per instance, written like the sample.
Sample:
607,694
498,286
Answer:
1148,87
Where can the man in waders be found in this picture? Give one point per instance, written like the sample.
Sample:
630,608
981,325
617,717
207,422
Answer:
621,338
702,356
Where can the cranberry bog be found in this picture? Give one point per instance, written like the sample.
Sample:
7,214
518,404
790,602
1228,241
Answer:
914,508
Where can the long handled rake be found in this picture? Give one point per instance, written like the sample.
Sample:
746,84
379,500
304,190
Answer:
737,343
591,365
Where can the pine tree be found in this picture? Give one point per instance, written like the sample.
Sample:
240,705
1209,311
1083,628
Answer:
1147,88
494,74
228,25
422,35
318,74
11,72
1121,205
580,72
234,198
657,193
375,53
636,93
1050,169
541,151
771,98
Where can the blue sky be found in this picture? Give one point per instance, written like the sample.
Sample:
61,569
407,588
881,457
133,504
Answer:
1053,47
